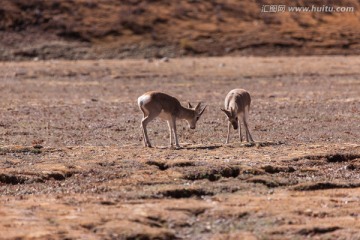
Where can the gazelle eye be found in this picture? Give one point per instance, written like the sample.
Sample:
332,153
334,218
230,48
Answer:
197,118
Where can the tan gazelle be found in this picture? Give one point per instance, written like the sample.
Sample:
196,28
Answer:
237,106
154,104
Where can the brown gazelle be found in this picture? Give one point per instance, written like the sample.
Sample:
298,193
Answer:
237,106
154,104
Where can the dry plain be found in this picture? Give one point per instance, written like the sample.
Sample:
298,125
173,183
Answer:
73,165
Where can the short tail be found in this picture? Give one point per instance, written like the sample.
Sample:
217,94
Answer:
143,100
140,104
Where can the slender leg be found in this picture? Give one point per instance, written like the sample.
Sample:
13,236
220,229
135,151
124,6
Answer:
144,138
142,131
144,123
171,133
246,129
248,135
142,127
240,134
228,133
173,123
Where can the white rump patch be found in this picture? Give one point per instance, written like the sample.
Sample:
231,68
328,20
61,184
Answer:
144,99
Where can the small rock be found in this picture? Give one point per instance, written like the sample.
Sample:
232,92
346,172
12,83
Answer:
164,59
37,146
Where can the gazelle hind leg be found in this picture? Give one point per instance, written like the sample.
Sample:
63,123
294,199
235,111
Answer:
142,131
143,126
144,123
144,138
248,134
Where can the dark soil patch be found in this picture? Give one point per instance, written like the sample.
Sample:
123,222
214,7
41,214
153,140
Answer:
28,150
56,176
318,230
12,179
338,157
324,185
164,165
24,179
161,165
182,164
342,157
267,144
267,181
277,169
213,174
210,147
185,193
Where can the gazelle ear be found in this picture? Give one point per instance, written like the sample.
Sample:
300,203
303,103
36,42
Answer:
226,112
202,111
197,106
189,105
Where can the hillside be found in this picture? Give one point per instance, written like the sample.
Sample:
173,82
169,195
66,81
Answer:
82,29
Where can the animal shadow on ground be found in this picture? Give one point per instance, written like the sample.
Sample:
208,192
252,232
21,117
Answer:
188,146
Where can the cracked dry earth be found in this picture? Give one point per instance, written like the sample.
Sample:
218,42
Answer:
73,166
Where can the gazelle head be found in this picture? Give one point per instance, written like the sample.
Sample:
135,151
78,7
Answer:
232,117
198,111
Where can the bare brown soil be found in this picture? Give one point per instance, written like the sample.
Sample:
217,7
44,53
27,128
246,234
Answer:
73,166
84,29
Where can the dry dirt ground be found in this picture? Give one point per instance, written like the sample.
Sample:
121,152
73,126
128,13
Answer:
73,166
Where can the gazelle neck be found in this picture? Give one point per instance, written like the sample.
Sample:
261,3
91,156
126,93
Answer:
186,113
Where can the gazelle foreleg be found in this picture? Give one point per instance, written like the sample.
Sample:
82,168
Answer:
248,135
228,133
171,132
246,129
173,126
240,134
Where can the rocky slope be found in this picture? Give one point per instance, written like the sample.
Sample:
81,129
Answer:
82,29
